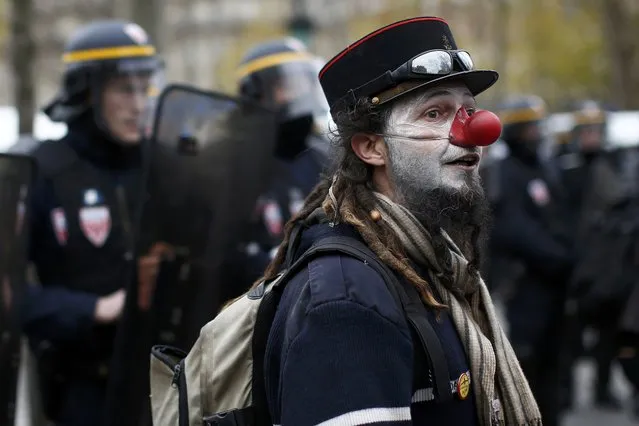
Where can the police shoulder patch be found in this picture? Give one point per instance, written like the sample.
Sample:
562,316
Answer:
538,191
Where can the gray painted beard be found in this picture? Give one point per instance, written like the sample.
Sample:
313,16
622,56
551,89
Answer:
463,213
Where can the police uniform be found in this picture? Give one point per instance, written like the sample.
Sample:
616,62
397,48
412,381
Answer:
592,185
281,75
499,272
83,211
575,165
525,231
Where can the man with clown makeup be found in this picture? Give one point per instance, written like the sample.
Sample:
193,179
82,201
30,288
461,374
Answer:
405,189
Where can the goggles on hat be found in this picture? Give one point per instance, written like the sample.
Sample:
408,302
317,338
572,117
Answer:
433,63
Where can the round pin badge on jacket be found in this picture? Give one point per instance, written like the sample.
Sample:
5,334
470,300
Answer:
463,386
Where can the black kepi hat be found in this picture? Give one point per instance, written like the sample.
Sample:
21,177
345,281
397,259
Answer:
392,61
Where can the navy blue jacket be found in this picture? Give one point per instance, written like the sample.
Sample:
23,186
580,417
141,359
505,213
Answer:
340,349
528,229
524,218
52,311
291,183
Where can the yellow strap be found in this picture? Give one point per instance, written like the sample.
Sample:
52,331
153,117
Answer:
270,61
522,115
590,118
107,53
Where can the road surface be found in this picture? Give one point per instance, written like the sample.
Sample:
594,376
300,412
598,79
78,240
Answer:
585,414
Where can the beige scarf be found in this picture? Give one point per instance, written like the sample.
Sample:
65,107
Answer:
501,390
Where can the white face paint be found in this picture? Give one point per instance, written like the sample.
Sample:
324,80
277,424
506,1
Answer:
421,155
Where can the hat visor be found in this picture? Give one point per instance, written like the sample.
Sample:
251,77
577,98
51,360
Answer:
477,81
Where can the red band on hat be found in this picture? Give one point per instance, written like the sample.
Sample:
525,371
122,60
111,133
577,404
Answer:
373,34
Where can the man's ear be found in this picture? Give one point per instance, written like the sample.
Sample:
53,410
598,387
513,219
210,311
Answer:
369,148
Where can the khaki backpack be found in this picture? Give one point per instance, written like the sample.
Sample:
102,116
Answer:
221,380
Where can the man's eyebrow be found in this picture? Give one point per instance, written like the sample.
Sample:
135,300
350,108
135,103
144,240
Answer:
424,97
442,92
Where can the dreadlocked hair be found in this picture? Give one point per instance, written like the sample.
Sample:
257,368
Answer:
351,181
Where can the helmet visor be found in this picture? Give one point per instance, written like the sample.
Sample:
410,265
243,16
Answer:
292,89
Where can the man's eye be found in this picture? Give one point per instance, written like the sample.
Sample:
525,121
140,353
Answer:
433,114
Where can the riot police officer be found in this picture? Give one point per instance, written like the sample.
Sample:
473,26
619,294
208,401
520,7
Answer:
83,215
499,272
282,75
593,186
582,146
524,231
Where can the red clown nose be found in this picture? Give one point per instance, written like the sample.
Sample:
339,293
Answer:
480,129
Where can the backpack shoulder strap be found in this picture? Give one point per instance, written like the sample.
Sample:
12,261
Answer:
403,293
293,243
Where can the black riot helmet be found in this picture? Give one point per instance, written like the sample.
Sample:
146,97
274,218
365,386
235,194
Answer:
522,119
282,75
589,126
112,70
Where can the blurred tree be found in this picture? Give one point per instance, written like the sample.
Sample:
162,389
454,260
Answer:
23,57
548,47
301,25
5,20
248,36
364,20
621,22
148,14
559,51
501,25
188,56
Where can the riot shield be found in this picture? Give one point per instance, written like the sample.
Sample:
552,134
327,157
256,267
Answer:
208,159
16,174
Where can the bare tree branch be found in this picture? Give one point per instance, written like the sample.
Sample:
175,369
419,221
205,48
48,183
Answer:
23,54
148,14
623,47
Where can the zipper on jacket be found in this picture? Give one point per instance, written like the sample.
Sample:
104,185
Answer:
183,398
177,373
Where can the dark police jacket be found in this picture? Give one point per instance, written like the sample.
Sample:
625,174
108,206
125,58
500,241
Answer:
81,244
291,183
527,229
603,232
340,348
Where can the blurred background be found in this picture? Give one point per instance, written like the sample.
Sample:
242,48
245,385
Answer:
561,49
